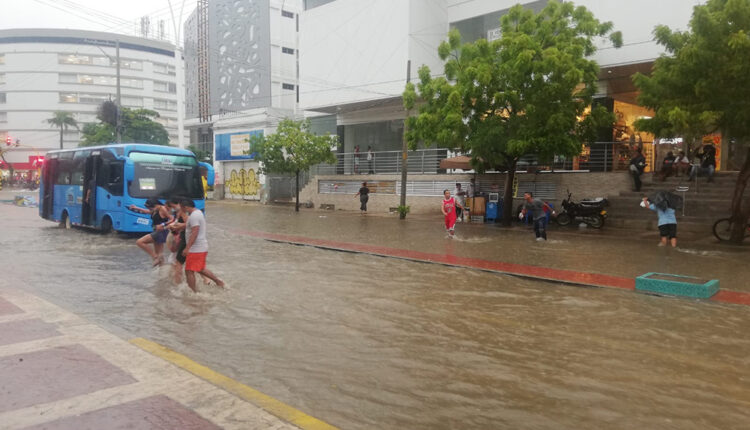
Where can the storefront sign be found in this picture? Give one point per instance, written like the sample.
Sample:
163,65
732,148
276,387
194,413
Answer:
234,146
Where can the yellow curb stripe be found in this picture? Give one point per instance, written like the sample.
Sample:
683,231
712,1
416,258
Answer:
268,403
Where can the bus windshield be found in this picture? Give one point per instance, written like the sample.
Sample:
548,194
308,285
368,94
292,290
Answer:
164,176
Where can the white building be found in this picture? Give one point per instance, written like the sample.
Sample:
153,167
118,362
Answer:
47,70
241,78
354,54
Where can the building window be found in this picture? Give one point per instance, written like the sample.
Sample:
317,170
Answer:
130,83
92,98
287,14
3,116
68,98
67,78
286,50
311,4
165,87
93,60
2,58
2,97
287,87
136,102
164,69
2,78
161,104
131,64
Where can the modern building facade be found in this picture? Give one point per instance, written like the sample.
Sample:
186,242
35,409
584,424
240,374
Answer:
356,69
47,70
241,78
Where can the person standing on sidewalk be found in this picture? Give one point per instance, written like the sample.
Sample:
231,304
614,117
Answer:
196,248
667,222
370,161
460,196
637,165
449,211
364,196
356,160
538,209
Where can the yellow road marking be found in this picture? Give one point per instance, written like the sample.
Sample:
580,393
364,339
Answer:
268,403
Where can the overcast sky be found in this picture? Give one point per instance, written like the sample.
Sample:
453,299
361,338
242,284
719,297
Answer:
119,16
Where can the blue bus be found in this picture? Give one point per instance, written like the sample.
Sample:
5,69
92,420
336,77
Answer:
118,176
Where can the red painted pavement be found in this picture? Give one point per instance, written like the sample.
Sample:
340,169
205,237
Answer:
8,308
157,412
536,272
54,374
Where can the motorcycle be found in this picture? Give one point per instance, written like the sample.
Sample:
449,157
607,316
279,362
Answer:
589,211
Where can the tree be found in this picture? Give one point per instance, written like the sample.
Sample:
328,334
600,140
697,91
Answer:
702,84
201,154
138,125
293,149
62,120
524,93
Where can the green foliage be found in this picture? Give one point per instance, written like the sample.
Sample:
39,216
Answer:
293,148
521,94
62,119
97,134
702,85
138,125
403,210
201,154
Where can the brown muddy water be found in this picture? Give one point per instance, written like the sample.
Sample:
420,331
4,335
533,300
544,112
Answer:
366,342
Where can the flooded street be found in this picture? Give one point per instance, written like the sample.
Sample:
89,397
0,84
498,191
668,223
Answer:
365,342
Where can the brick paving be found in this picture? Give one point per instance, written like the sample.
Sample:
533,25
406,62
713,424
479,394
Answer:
58,371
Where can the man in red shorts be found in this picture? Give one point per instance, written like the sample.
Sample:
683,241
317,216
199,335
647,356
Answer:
448,207
196,248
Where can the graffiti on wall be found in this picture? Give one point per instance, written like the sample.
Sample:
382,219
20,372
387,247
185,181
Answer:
243,182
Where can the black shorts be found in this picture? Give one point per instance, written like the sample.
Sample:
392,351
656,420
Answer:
181,247
668,230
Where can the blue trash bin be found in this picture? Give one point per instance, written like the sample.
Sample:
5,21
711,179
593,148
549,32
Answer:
491,211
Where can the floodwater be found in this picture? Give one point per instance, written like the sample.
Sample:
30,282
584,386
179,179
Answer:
366,342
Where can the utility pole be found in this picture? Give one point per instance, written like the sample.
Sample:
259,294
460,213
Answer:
118,127
404,153
179,73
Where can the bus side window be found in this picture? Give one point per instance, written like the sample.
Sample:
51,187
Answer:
114,179
63,178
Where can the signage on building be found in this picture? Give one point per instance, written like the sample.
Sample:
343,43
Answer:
235,146
494,34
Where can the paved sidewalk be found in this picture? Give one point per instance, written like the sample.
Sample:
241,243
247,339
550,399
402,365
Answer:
58,371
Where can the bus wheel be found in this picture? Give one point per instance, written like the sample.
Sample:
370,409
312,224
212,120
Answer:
65,222
106,225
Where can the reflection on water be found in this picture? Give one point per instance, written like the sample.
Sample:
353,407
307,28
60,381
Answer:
369,342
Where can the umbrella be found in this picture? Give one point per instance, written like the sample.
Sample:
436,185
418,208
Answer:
665,199
460,162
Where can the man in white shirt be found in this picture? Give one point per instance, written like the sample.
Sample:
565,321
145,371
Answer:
460,196
196,247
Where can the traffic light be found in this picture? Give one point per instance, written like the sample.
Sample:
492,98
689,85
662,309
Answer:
8,140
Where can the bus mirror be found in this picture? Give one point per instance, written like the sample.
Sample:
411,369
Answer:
129,169
210,170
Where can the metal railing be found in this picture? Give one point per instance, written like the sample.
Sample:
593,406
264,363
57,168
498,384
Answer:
421,161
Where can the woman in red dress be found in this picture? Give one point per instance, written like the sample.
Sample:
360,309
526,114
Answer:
449,210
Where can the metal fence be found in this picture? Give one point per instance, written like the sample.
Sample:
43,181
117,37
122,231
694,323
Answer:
421,161
596,157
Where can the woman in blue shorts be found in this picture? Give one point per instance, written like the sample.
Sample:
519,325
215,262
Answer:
160,217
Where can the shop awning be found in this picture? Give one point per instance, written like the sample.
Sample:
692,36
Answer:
460,162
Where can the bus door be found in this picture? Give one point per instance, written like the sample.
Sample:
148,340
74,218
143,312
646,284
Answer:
49,177
90,183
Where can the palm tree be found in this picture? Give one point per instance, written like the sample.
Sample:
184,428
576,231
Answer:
63,120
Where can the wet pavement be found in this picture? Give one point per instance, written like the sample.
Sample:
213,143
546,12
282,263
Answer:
369,342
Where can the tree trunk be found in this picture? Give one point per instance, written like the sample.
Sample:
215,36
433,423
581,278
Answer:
739,220
508,195
296,190
61,137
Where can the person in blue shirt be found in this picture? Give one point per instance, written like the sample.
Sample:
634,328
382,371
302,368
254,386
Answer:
667,223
